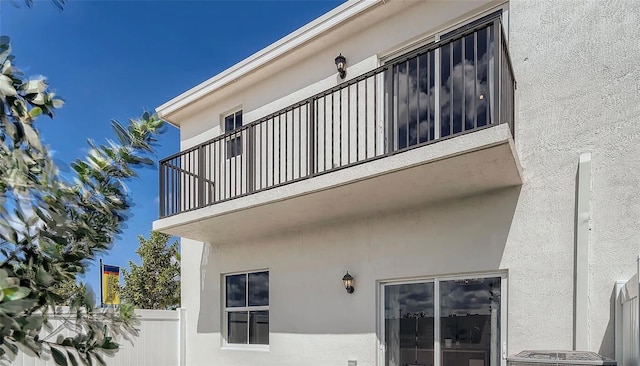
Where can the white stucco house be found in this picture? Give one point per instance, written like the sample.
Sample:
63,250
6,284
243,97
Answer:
473,165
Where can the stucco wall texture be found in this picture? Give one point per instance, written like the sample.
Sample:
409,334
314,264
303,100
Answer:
577,64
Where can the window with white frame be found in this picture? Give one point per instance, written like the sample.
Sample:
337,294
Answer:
232,123
247,308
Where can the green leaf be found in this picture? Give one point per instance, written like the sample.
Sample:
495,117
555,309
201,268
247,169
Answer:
16,306
32,136
16,293
44,278
35,112
58,357
72,358
6,87
5,48
57,103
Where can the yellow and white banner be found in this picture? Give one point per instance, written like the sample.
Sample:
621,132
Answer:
110,284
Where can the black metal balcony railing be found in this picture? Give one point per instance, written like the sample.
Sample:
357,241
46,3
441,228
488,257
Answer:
385,111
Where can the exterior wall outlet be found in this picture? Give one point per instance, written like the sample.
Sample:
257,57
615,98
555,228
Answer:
352,363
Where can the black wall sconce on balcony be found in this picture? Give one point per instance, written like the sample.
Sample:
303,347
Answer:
341,65
348,282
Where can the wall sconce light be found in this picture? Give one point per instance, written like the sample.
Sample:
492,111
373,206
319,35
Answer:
348,282
341,65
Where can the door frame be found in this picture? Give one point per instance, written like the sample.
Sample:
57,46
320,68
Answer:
380,307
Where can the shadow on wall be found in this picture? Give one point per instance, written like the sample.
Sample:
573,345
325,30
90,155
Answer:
209,294
454,236
607,347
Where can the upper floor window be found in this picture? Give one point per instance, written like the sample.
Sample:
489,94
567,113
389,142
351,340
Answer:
247,308
233,122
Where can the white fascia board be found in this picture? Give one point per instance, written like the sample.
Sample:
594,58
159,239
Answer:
317,27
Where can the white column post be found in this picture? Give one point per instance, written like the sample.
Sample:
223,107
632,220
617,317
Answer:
582,228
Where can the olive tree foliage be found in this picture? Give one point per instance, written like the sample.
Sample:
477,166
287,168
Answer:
155,284
69,290
52,227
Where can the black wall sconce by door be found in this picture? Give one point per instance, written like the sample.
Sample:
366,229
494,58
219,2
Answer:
341,65
348,282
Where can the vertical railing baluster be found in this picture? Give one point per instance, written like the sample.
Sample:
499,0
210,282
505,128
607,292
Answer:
312,137
496,64
418,99
340,125
408,92
463,126
324,132
375,115
300,142
475,80
388,147
286,142
358,120
348,124
252,158
451,99
201,175
366,117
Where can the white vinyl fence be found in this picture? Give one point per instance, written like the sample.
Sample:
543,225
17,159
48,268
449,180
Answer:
159,342
627,325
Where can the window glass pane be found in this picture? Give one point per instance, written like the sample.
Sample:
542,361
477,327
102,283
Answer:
236,290
259,289
238,119
482,72
229,124
234,147
259,327
470,321
409,330
237,326
432,92
457,86
470,82
237,146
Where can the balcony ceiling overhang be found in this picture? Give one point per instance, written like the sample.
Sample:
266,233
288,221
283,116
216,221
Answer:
460,166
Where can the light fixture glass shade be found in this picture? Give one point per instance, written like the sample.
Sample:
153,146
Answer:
348,282
341,65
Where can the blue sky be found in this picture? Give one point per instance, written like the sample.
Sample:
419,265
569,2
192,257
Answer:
112,59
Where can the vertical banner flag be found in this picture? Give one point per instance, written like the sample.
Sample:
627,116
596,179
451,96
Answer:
110,278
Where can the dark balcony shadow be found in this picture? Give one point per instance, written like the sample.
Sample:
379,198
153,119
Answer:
209,314
444,244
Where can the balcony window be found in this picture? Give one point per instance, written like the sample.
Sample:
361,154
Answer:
446,90
233,122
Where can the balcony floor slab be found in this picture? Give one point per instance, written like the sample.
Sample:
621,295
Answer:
464,165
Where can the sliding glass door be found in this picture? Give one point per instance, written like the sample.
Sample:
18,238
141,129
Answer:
409,327
443,322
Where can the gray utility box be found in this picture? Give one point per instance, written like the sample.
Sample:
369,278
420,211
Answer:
559,358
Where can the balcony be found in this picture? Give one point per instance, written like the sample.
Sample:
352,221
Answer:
375,133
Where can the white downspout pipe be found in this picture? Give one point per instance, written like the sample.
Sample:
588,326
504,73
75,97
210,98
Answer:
582,243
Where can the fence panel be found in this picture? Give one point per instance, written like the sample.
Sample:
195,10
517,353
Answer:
628,348
158,343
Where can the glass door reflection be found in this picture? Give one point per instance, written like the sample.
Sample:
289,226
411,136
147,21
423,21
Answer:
409,328
470,321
